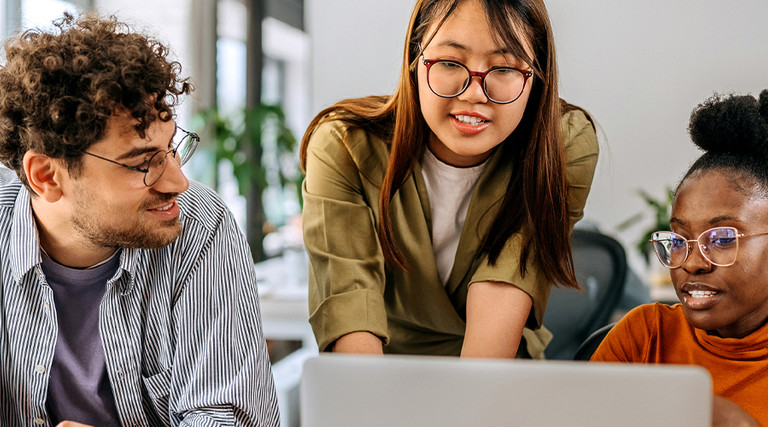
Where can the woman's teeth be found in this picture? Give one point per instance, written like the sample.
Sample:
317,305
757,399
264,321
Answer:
470,120
701,294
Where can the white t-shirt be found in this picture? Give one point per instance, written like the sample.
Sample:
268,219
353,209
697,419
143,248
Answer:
450,189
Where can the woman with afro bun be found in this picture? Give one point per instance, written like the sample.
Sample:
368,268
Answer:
716,253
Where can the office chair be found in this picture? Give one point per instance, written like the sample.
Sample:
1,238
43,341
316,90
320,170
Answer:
588,347
572,315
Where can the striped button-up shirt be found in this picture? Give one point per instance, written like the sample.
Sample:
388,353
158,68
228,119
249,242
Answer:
180,325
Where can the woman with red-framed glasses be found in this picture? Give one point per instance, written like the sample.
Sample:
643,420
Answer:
716,252
436,219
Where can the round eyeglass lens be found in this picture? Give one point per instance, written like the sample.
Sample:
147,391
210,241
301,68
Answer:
185,149
447,78
504,84
156,167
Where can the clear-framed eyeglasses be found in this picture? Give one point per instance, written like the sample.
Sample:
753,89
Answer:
718,245
184,145
449,79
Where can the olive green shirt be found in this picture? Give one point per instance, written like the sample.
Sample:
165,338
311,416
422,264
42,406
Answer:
350,289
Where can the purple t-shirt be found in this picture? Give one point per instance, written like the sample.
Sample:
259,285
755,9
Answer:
79,388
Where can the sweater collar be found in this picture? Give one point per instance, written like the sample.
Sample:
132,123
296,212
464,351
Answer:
752,347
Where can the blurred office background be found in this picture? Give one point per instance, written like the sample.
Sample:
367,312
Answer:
638,67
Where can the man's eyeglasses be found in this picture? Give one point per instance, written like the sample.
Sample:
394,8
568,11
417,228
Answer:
449,79
718,245
184,145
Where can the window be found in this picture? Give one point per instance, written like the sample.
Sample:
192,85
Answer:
21,14
284,82
40,13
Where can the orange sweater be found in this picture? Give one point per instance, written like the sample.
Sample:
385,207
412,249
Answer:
656,333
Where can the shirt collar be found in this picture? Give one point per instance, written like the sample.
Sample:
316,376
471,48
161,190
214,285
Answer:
751,347
25,244
129,258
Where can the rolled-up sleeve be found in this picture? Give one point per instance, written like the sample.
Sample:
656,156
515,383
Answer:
346,277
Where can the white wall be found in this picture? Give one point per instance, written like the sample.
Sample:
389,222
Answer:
356,47
638,67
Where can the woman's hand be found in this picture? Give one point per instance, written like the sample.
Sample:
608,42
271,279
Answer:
358,342
71,424
727,413
496,315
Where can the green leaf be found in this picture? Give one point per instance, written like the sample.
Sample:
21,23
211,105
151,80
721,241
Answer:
238,139
660,209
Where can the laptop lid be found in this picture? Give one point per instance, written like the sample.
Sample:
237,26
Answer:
352,390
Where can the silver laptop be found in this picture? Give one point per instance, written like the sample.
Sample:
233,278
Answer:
347,391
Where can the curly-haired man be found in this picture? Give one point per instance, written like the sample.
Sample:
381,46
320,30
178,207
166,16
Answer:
127,294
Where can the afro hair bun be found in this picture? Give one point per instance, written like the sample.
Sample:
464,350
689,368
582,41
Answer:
731,124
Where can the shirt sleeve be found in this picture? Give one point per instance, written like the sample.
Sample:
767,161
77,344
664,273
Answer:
221,373
581,150
346,276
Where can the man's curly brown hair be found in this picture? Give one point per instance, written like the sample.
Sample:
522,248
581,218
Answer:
59,88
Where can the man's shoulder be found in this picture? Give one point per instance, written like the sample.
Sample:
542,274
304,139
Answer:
202,205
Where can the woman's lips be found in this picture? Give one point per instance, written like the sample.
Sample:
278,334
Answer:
469,123
698,296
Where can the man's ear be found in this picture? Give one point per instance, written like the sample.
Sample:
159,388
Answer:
44,175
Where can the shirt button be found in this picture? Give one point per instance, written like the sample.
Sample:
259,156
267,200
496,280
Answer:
39,421
47,306
40,369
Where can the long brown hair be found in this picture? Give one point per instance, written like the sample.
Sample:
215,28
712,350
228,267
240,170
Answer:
535,203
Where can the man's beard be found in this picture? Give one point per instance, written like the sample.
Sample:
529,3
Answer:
103,230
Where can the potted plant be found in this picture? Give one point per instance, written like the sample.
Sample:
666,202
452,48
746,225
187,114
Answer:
240,138
660,210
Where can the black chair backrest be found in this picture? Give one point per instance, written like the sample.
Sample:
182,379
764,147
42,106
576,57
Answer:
588,347
572,315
